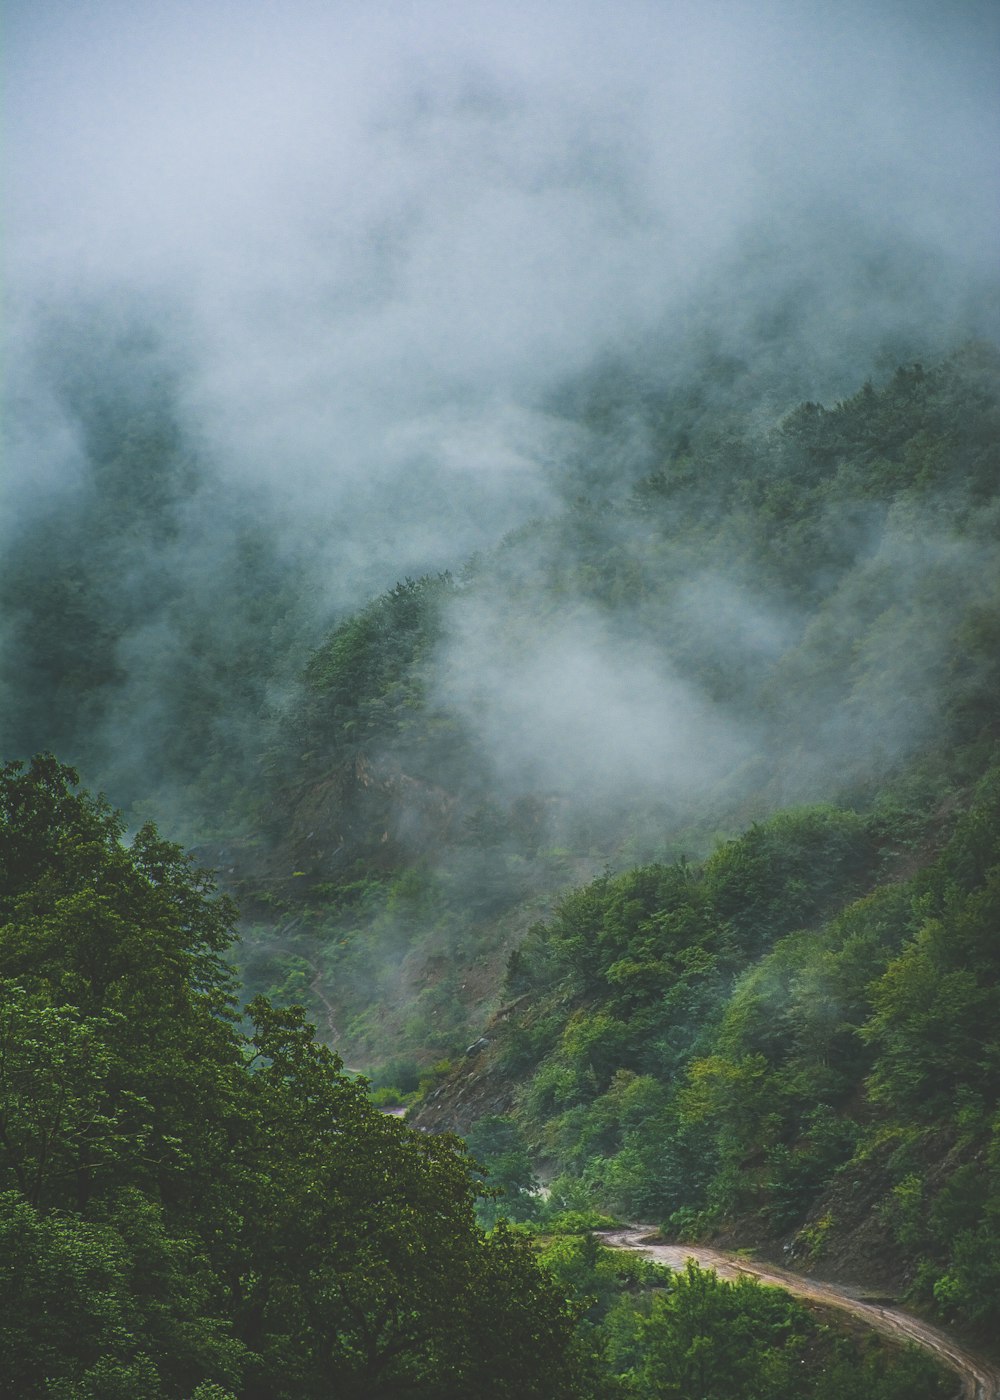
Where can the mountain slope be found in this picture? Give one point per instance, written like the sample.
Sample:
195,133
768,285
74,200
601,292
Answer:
798,613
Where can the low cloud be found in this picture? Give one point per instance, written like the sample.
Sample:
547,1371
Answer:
367,248
576,709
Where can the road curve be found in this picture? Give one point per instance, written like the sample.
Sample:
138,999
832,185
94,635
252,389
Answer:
980,1378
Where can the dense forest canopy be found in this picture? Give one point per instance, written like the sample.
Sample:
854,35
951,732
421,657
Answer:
191,1208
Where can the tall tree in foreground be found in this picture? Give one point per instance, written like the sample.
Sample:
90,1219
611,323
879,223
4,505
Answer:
189,1210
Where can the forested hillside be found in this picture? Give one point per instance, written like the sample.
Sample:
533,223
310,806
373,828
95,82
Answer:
148,614
680,802
499,700
783,1035
745,1047
742,695
774,615
194,1209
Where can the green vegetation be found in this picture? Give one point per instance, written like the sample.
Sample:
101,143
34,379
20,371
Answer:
149,615
693,787
705,1044
186,1209
692,1336
813,605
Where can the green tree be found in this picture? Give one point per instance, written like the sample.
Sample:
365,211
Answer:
189,1207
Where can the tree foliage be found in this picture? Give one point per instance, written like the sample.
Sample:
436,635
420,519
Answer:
707,1061
187,1205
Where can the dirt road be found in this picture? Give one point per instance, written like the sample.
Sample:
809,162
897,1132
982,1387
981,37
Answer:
980,1378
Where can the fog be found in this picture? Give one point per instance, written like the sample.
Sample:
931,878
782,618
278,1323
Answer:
574,708
356,257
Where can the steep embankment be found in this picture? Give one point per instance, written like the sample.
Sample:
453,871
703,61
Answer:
980,1378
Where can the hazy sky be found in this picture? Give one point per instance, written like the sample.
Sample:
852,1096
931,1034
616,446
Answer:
368,240
381,232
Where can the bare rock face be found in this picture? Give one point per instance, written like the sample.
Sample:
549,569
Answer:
473,1091
367,808
480,1085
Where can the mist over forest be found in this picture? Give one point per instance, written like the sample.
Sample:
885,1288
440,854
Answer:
515,488
299,307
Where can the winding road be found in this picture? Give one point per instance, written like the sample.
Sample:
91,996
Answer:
980,1378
